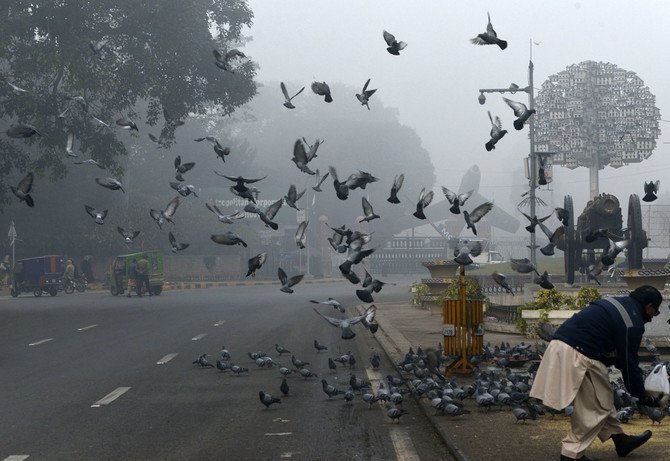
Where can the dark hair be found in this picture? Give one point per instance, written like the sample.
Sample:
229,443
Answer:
647,294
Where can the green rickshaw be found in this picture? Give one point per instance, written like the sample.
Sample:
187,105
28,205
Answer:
121,265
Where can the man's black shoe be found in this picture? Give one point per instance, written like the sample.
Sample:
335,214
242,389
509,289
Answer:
583,458
624,443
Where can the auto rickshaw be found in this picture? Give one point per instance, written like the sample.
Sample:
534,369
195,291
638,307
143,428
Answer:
121,265
41,274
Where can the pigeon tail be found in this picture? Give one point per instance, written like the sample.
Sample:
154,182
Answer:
548,250
530,229
286,290
455,208
489,146
518,124
329,98
502,44
345,267
393,199
365,296
419,214
649,197
347,333
30,203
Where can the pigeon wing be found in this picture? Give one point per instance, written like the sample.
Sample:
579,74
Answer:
332,321
367,208
397,182
299,154
518,107
282,275
90,211
283,90
389,38
479,212
295,280
272,210
26,184
451,196
173,241
171,207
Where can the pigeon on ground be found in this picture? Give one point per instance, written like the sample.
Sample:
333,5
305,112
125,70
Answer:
543,281
293,196
521,111
286,282
496,133
562,215
255,263
160,216
322,89
98,216
319,347
285,371
98,46
478,213
127,124
650,190
176,246
267,400
225,353
238,370
240,185
22,131
520,414
22,190
395,413
229,238
181,168
287,100
501,280
375,361
219,150
456,200
267,215
368,211
283,387
463,251
397,184
305,373
221,365
365,95
330,302
341,188
300,157
17,90
424,200
489,37
331,365
203,362
301,235
319,180
128,236
183,189
534,221
90,161
225,218
224,61
329,389
393,46
281,350
110,183
344,324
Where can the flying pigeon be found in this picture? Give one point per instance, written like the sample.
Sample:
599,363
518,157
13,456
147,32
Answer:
424,200
322,89
300,157
330,302
501,280
128,236
397,184
267,399
292,196
240,185
319,181
522,266
286,282
456,200
368,211
225,218
229,238
489,37
521,111
110,183
99,216
594,234
301,235
183,189
97,47
562,215
650,190
543,281
90,161
341,188
613,249
224,61
255,263
176,246
98,121
267,215
181,168
160,216
287,100
542,173
127,124
310,154
534,221
478,213
365,95
463,251
220,151
22,131
22,190
17,91
344,324
354,257
394,47
360,179
497,133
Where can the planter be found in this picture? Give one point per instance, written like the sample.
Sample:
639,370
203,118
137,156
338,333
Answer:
556,317
635,278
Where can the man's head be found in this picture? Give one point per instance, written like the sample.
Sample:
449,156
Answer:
650,299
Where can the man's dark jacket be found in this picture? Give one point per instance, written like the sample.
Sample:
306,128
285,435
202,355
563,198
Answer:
599,333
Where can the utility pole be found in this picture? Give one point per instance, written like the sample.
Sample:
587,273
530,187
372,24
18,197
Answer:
12,240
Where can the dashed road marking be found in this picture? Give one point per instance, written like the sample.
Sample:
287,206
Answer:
16,457
109,398
278,433
37,343
166,359
403,446
289,454
200,336
87,327
219,323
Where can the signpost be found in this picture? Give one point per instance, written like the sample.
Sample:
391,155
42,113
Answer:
12,238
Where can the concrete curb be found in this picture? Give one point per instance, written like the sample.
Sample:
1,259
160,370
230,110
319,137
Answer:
234,283
395,345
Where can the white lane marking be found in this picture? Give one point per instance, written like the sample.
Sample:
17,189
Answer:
279,433
16,457
109,398
200,336
166,359
219,323
41,342
87,327
289,454
403,446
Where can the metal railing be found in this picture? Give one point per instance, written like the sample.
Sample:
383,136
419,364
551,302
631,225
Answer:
504,314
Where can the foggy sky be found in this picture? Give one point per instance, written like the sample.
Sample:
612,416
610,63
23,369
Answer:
434,82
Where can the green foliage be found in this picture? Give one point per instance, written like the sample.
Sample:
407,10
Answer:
585,296
420,290
472,290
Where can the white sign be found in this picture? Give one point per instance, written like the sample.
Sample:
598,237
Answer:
12,232
301,215
448,329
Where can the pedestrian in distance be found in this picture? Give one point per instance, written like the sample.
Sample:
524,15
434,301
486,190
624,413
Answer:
132,277
118,271
143,277
574,369
68,273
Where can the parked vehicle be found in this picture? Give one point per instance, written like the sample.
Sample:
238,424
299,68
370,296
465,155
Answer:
119,271
38,275
80,284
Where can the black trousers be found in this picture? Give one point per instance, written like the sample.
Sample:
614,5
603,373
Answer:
143,280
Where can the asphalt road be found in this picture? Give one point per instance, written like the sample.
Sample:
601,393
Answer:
80,379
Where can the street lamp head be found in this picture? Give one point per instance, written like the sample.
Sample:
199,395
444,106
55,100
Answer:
481,98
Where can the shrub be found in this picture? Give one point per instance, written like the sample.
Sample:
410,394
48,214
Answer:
420,290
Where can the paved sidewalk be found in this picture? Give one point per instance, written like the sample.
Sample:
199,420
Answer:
493,435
